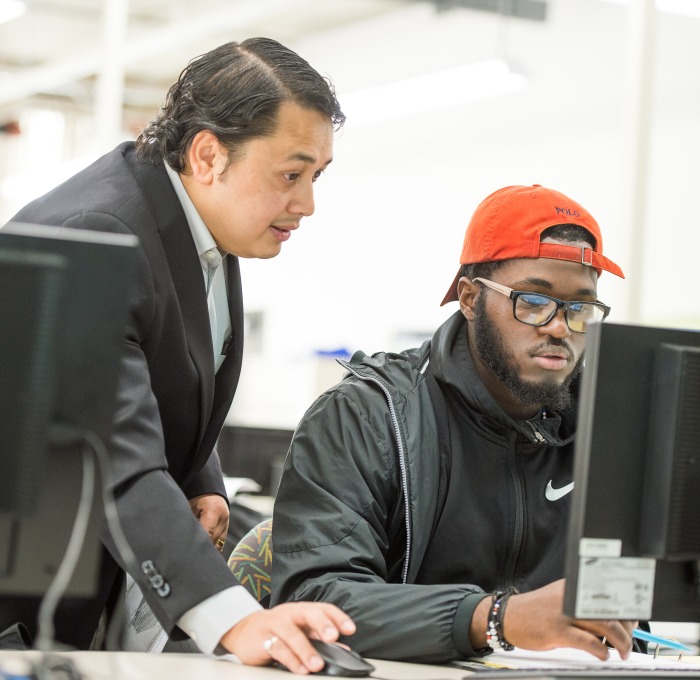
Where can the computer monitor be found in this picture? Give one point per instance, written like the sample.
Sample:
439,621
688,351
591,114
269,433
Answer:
64,298
634,534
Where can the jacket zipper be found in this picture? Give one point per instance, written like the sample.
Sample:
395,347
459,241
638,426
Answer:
519,512
402,461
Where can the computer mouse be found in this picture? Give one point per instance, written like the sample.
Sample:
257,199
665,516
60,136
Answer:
341,661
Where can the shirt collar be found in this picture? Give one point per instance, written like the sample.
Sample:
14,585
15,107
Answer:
203,240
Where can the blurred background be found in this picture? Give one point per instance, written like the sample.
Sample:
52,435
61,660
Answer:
447,100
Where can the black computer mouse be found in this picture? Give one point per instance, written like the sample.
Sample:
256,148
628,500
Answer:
341,661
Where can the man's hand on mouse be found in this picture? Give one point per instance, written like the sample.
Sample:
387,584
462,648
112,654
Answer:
281,634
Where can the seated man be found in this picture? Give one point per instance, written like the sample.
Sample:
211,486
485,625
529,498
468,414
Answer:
415,493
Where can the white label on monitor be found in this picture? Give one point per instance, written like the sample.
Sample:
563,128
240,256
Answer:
615,588
600,547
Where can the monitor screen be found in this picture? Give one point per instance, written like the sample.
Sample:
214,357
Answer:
634,534
64,297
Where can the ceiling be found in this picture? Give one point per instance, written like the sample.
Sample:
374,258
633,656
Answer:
56,51
73,53
603,110
57,47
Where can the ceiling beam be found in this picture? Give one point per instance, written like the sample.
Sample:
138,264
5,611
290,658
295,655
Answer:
524,9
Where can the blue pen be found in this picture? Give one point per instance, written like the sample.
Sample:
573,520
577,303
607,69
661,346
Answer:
648,637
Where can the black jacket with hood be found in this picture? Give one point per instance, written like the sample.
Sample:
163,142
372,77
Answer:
362,484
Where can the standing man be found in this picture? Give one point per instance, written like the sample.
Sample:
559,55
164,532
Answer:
417,492
226,170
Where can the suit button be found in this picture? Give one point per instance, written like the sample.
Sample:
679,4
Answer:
155,578
157,581
148,568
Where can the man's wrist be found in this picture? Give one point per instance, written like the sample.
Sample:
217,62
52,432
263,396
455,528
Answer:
478,625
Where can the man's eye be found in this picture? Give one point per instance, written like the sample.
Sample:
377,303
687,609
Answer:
317,174
534,300
291,176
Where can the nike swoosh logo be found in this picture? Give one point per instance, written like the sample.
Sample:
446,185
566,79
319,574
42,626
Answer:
552,494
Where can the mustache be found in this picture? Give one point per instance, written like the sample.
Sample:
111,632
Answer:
553,342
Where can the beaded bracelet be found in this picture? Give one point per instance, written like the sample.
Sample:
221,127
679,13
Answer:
494,627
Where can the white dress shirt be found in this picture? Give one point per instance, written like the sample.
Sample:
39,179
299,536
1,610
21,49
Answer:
211,260
207,622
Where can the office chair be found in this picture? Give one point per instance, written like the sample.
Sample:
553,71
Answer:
251,561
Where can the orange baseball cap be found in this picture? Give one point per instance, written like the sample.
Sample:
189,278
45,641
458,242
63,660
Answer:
508,224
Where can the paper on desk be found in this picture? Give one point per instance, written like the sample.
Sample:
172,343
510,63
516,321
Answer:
236,485
576,659
143,632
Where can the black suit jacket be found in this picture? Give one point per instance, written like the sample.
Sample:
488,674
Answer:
171,405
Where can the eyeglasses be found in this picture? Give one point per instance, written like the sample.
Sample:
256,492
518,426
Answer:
537,309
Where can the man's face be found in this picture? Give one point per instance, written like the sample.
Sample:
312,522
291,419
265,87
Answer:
253,207
527,367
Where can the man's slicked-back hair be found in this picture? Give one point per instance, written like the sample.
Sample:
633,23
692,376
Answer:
234,91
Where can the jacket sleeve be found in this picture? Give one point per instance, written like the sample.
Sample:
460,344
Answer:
174,562
339,536
175,566
209,480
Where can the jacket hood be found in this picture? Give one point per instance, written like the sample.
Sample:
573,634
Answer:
452,364
402,372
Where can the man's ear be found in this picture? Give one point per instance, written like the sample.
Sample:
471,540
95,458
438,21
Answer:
206,157
467,291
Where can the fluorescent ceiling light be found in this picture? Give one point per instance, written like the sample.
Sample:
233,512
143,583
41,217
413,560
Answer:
689,8
686,8
11,9
439,89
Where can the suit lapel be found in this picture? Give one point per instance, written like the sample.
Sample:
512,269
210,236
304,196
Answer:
226,379
227,376
186,274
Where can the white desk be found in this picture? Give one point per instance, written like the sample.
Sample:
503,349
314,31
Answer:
140,666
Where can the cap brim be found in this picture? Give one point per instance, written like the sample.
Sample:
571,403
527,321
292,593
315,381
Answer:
452,291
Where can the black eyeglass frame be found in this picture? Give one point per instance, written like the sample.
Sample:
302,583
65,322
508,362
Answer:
560,304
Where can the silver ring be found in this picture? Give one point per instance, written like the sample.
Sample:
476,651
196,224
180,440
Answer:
267,644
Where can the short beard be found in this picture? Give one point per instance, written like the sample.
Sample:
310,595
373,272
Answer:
491,349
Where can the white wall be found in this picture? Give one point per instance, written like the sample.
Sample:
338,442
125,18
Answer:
371,266
375,260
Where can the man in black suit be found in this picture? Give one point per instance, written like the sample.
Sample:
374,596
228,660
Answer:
226,170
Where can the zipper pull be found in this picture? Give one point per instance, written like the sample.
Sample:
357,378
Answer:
537,433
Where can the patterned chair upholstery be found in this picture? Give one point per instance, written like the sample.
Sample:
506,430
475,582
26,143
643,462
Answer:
251,561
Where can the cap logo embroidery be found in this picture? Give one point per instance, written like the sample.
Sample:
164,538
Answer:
567,211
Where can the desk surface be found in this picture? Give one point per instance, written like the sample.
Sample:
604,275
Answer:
142,666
